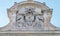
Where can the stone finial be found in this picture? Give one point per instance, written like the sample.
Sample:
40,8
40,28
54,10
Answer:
44,3
29,0
15,3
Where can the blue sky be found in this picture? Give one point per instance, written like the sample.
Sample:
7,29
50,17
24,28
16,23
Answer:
4,4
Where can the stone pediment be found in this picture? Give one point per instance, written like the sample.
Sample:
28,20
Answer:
29,16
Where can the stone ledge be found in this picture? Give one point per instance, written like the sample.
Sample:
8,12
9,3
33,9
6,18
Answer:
29,34
29,31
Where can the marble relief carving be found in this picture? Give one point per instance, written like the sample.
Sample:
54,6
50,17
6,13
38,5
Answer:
29,19
29,15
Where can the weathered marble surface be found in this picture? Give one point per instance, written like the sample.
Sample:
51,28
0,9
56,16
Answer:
29,18
41,33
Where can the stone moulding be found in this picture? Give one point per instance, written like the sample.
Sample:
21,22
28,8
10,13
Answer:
50,31
41,33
